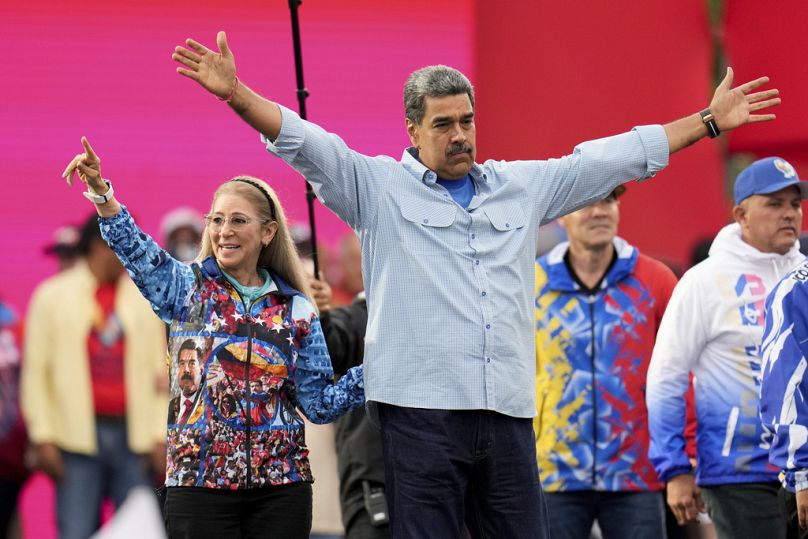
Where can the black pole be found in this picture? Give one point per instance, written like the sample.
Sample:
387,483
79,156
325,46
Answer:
302,94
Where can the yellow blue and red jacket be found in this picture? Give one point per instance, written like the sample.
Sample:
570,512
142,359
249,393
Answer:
593,348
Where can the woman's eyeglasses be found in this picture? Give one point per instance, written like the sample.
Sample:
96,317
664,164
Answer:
237,222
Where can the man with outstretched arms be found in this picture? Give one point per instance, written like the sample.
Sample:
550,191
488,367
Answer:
447,257
712,328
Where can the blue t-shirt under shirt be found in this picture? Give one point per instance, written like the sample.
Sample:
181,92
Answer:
462,190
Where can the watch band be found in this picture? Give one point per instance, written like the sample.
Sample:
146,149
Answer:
709,120
100,199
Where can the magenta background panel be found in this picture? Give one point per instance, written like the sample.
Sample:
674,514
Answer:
104,69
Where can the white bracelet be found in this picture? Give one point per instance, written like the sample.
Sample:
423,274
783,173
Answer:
100,199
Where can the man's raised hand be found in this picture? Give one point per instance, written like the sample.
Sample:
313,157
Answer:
734,107
214,71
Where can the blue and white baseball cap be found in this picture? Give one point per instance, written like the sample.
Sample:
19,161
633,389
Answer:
766,176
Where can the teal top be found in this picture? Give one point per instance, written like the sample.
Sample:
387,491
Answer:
251,293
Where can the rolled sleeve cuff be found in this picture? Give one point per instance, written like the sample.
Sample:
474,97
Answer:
657,152
795,480
674,471
290,139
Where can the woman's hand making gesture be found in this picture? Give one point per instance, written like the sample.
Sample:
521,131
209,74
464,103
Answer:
87,166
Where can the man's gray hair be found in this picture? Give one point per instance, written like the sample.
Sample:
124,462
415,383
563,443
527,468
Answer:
433,81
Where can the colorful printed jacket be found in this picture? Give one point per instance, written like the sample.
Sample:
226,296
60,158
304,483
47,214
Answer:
258,366
712,328
784,383
592,353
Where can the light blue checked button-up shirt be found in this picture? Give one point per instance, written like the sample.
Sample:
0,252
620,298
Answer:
450,291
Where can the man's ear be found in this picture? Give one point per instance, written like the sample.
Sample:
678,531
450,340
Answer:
739,214
412,131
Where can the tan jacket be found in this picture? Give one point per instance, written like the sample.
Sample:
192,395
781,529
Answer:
56,392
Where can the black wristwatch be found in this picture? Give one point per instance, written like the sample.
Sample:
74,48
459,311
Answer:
709,120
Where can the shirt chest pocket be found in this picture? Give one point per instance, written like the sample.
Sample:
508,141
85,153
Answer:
503,232
506,217
427,225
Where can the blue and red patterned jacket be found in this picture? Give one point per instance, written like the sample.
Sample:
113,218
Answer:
259,365
592,354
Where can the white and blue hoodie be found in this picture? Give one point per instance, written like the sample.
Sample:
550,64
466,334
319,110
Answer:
712,328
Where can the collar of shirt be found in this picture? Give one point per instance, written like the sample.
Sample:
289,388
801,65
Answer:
414,166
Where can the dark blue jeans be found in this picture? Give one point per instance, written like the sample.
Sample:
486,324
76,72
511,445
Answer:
635,515
88,479
450,469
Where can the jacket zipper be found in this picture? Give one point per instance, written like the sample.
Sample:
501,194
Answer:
248,389
594,391
248,314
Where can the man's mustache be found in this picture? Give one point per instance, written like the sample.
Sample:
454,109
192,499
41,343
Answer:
455,149
186,376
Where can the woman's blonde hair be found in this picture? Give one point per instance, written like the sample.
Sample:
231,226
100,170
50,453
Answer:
280,256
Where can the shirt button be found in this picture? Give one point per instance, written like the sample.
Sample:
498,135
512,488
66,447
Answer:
488,360
426,221
507,225
483,293
476,263
473,236
488,326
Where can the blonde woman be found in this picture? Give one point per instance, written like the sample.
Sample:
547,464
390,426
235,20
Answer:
245,304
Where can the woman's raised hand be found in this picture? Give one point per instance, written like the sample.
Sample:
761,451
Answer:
88,167
214,71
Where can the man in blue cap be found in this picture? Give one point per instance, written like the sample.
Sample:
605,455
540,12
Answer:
712,328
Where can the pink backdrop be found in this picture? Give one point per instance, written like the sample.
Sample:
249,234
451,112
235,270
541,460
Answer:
104,69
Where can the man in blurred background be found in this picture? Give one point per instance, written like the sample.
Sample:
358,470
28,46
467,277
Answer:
181,230
63,246
95,417
598,306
